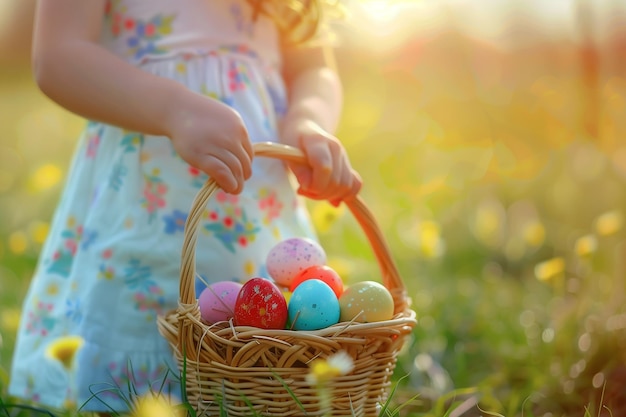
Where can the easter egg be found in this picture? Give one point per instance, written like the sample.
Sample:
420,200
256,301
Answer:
366,302
322,272
313,305
287,295
217,301
288,257
260,303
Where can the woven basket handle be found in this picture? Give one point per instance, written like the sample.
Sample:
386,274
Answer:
390,277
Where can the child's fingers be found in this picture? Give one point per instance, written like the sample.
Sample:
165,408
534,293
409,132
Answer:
303,174
320,159
226,169
245,157
249,154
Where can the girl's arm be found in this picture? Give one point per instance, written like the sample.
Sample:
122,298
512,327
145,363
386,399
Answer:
316,98
72,69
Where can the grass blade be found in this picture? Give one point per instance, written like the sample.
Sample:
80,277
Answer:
391,394
290,392
6,407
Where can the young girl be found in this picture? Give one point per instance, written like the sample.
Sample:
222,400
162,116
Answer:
175,91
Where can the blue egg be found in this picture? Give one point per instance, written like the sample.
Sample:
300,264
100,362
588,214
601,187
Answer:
313,306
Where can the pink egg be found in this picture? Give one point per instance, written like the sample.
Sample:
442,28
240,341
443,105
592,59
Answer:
217,301
291,256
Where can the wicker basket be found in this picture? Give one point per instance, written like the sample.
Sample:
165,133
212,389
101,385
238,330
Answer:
245,370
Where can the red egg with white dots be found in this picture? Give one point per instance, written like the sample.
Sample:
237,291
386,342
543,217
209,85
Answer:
260,303
291,256
322,272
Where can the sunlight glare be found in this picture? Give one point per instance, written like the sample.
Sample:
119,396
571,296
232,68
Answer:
379,10
384,25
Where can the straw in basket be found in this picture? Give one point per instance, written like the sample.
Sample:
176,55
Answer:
247,371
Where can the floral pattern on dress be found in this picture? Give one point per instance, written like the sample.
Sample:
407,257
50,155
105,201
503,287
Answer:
106,270
71,237
238,78
39,318
153,194
269,204
116,177
132,141
73,310
142,35
30,393
93,143
150,300
148,296
230,223
174,222
198,178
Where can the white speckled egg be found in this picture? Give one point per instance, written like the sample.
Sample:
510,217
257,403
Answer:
291,256
367,301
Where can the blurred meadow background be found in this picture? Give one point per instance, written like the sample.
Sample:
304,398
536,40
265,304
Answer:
489,135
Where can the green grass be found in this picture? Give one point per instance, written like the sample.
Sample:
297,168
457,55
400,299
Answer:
458,212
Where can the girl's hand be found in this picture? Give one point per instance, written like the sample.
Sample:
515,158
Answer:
328,175
212,137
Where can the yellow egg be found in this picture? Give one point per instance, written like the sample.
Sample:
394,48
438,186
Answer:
366,302
286,294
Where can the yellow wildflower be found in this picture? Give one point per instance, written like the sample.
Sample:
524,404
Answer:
64,350
46,176
586,245
151,405
534,233
549,269
324,370
488,223
39,231
69,404
18,242
325,215
10,319
431,243
609,223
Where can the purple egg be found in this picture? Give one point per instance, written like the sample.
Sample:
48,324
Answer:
217,301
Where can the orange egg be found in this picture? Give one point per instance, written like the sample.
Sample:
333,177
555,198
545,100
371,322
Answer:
323,273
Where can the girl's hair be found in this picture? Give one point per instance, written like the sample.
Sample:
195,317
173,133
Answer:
299,21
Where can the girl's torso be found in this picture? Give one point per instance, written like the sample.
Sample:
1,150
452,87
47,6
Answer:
141,30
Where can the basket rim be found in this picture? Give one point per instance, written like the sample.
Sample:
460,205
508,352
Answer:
188,309
406,318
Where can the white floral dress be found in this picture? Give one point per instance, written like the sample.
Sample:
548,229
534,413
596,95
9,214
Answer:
111,261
